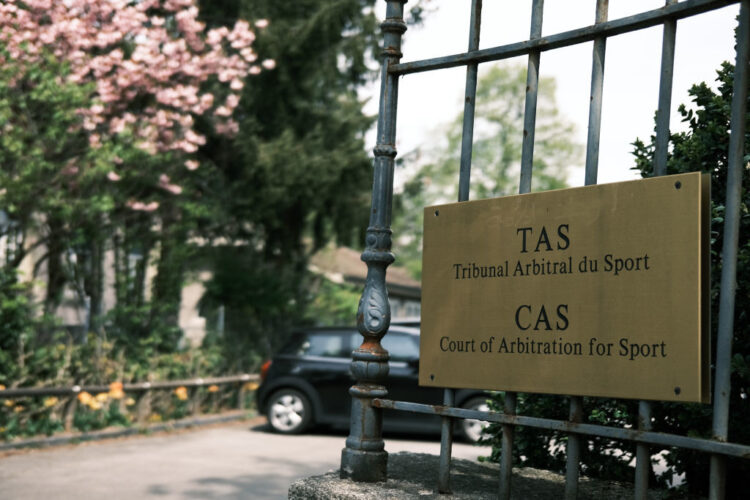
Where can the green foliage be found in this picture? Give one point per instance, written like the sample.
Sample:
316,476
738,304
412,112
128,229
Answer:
496,156
15,316
333,303
261,301
63,363
297,175
704,148
602,458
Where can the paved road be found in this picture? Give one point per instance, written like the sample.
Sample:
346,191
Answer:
232,461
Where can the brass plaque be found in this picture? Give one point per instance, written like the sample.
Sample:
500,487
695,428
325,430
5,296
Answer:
595,291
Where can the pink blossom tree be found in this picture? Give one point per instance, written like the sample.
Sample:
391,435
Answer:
137,76
149,60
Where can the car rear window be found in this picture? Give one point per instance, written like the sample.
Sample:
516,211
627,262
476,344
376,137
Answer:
323,344
401,347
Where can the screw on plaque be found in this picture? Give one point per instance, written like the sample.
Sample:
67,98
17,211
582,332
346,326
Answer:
677,391
437,213
677,185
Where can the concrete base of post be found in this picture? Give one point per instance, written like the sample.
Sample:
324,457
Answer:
364,466
414,476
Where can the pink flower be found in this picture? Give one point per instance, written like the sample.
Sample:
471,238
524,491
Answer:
232,101
261,23
112,175
269,64
191,164
223,111
173,188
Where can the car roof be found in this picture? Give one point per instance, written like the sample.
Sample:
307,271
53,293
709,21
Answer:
407,321
395,328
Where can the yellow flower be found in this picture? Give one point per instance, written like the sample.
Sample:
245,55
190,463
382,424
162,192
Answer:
102,397
213,388
115,390
251,386
181,393
154,417
84,397
51,401
130,401
18,409
95,405
9,403
2,387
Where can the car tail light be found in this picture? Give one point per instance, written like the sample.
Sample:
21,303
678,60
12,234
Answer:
264,370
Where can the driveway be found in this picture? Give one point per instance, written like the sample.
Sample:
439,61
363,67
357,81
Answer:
242,460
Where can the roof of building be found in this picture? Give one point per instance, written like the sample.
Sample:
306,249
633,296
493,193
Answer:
344,264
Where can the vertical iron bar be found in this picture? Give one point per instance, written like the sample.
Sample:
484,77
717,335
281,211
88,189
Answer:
595,106
665,95
592,167
532,88
506,456
735,162
467,135
642,453
527,156
364,458
464,182
574,450
446,445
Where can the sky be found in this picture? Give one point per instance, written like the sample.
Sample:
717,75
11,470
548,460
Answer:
428,101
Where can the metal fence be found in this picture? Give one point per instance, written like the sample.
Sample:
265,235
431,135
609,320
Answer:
143,389
364,458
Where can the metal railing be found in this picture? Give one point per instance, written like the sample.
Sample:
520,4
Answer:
144,389
364,458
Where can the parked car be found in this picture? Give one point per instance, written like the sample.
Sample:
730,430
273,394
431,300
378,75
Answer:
307,383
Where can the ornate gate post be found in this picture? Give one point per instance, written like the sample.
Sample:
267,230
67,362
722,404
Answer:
365,458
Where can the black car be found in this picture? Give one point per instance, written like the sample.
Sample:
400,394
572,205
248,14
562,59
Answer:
308,381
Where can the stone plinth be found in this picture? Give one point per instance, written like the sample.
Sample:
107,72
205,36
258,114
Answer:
414,476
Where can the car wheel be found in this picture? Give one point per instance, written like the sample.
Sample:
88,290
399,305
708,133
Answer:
289,411
471,429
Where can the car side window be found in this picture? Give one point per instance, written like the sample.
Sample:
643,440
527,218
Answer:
324,344
401,347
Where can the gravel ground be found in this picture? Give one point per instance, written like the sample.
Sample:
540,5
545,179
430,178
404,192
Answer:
414,475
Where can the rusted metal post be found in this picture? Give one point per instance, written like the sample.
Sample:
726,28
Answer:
735,163
665,94
467,131
241,396
70,413
532,91
574,450
506,455
643,452
364,458
446,445
143,407
597,90
195,401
